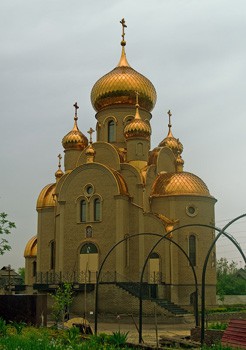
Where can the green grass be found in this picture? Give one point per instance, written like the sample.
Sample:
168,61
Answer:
14,337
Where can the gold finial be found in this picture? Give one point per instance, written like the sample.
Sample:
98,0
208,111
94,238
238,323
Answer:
90,132
123,23
59,162
137,94
76,107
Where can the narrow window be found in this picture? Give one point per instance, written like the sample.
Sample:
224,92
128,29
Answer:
34,268
83,211
97,207
52,255
192,249
111,131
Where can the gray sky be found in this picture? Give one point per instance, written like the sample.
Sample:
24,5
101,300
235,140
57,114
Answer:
51,54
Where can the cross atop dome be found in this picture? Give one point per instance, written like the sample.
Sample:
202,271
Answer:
76,107
123,23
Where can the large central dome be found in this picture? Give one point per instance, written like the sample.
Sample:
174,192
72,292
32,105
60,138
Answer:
119,87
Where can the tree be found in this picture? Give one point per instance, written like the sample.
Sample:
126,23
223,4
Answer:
5,229
21,272
228,280
63,298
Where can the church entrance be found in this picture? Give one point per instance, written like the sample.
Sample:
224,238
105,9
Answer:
154,274
88,263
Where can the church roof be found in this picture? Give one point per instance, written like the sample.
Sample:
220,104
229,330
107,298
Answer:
119,86
46,197
181,183
31,248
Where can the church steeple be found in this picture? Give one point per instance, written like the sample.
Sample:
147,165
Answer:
74,142
170,141
59,172
123,60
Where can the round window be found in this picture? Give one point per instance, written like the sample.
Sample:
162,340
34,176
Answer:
191,210
89,190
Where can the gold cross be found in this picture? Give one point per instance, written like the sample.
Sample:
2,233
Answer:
123,23
169,115
90,132
76,108
59,157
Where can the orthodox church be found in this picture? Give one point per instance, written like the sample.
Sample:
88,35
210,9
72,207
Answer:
119,189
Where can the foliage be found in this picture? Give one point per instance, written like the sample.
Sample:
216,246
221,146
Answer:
73,335
218,346
49,339
226,309
62,300
5,229
228,281
217,325
18,326
3,327
21,272
118,338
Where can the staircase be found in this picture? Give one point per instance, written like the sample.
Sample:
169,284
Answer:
171,307
133,288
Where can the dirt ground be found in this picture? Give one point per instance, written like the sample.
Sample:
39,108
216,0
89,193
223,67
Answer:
151,330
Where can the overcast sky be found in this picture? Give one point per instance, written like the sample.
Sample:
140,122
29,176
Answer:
51,54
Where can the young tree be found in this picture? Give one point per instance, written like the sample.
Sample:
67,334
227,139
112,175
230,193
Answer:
5,229
63,298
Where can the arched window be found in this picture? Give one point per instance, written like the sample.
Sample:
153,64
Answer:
111,131
88,248
192,249
52,255
97,207
83,211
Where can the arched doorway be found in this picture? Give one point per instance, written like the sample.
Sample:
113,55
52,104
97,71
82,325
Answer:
154,273
88,263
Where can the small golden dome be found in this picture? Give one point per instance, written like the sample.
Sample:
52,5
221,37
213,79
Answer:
75,139
179,159
90,150
181,183
170,141
31,248
119,85
59,173
46,197
137,127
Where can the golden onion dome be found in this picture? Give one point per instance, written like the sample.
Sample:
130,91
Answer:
75,139
31,248
179,159
46,197
181,183
170,141
59,173
119,85
137,127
